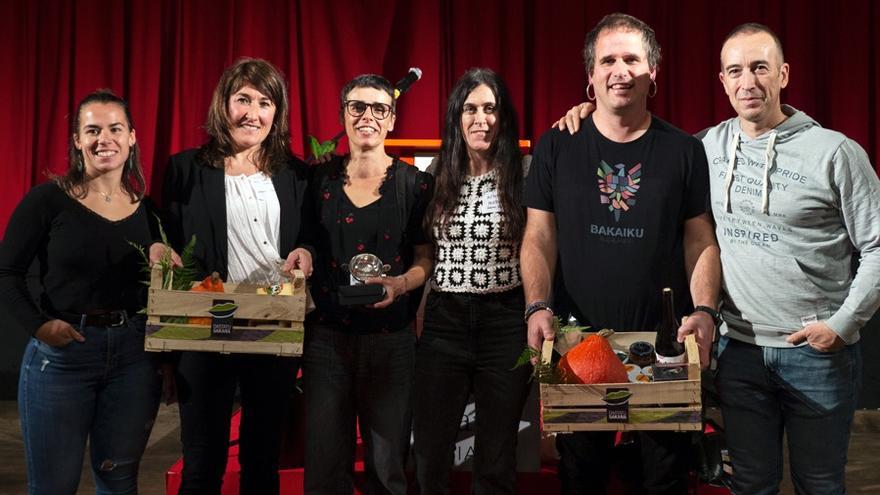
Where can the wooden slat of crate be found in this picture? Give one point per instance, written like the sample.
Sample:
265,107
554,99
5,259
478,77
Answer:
675,392
275,339
276,321
225,346
570,407
251,306
686,418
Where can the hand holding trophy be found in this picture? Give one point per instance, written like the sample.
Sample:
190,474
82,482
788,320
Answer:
363,267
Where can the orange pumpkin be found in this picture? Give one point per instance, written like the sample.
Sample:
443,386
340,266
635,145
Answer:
211,283
592,361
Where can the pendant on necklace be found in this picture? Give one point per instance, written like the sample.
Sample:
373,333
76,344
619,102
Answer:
107,197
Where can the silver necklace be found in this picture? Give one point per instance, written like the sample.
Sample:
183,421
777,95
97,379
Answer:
107,197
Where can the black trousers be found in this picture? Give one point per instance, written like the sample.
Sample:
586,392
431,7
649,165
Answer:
206,389
587,458
368,377
470,344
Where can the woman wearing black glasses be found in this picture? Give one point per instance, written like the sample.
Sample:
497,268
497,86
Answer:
358,359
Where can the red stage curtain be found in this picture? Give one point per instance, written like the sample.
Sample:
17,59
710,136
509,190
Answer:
166,56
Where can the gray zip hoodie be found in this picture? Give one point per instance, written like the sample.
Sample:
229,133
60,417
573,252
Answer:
787,231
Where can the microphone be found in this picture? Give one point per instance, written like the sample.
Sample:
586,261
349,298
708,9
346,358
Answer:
320,149
403,85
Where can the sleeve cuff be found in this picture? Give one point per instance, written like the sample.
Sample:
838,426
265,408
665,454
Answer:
844,325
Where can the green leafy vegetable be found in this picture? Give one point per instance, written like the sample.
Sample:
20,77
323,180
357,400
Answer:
543,372
320,149
181,277
546,372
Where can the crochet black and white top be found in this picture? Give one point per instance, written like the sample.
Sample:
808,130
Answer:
473,256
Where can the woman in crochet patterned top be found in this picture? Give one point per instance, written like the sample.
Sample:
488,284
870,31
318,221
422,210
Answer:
473,326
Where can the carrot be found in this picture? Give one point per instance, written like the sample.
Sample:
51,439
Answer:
211,283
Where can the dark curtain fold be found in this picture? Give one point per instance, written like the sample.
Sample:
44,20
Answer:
165,56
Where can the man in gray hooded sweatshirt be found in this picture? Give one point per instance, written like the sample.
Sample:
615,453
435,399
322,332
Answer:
792,202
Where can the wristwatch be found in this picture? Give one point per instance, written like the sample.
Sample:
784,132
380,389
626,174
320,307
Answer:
716,316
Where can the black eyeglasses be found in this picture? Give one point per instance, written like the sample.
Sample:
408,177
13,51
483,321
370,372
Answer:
357,108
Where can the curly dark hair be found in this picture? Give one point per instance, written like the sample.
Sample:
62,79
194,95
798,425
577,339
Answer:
452,168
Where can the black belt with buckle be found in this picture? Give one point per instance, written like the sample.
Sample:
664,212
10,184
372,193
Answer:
98,319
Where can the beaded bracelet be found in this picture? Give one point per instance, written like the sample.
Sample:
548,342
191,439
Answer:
535,307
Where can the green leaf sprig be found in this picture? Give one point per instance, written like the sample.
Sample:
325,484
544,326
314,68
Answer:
183,276
320,149
546,372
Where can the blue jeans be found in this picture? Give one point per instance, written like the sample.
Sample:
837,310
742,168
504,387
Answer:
106,390
368,377
809,395
469,345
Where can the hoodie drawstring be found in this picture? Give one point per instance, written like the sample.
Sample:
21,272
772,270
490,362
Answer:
731,165
769,155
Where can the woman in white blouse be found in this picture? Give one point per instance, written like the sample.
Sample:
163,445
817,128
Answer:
241,195
473,326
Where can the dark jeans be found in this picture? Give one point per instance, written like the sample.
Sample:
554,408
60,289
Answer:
105,390
810,395
469,345
587,458
366,378
206,387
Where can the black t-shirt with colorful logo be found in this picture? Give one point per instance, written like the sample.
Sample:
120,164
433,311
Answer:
620,210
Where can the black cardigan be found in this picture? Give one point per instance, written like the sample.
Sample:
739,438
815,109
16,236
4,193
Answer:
401,222
194,202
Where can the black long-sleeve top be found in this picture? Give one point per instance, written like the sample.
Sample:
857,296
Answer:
87,263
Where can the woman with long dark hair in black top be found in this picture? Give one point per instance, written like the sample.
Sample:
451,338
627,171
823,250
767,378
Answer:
84,374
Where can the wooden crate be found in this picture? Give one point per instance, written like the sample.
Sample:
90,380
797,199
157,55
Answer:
271,324
672,405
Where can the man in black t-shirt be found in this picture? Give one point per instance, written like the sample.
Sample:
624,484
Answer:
622,204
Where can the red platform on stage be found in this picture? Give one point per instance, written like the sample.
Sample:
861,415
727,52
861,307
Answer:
543,481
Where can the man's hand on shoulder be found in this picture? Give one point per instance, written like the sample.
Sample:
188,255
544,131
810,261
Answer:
571,121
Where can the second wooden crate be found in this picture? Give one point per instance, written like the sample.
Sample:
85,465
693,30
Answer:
672,405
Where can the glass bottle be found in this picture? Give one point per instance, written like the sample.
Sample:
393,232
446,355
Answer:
669,350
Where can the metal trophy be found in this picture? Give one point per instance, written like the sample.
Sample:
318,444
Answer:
362,267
